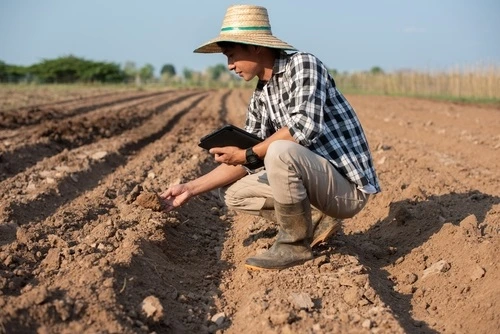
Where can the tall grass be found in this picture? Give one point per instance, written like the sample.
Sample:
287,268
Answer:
482,83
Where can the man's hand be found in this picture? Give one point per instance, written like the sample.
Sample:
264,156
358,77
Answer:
175,196
229,155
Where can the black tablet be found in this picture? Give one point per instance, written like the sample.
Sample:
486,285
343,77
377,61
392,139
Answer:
229,135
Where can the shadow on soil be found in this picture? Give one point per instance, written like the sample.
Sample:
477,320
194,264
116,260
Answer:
24,157
183,271
410,224
46,204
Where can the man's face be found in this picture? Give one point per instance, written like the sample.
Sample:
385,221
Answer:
244,61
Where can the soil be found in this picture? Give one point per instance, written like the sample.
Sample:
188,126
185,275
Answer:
84,248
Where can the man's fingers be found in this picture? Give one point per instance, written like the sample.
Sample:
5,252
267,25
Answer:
167,193
215,150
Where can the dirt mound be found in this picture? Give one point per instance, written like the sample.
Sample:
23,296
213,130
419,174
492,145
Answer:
85,247
149,200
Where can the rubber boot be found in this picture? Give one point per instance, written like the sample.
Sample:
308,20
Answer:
292,245
323,226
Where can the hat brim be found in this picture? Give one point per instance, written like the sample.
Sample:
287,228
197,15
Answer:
261,40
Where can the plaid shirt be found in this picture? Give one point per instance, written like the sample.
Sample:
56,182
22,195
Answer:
302,96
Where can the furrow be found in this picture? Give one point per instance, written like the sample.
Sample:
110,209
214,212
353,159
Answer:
23,117
88,163
53,138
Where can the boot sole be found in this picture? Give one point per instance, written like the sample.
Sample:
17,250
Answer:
325,235
251,267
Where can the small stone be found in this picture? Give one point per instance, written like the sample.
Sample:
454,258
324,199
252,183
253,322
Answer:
8,260
99,155
41,295
477,273
302,300
470,226
218,318
367,324
410,278
152,307
53,260
352,296
438,267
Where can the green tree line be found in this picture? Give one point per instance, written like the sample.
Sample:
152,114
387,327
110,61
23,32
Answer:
71,69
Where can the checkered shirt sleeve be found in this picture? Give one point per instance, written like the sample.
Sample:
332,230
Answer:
302,96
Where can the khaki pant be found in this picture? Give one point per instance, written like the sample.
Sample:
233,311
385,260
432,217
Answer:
292,173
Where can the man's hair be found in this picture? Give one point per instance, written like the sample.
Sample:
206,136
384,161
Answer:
227,45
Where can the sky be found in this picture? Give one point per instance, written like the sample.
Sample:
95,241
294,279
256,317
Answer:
349,36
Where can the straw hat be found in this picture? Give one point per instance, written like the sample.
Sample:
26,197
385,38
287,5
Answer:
247,25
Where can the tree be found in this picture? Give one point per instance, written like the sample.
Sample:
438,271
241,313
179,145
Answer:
187,73
3,71
168,74
376,70
147,72
102,72
168,69
70,69
214,72
333,72
130,70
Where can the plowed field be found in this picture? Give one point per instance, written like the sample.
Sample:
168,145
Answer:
78,254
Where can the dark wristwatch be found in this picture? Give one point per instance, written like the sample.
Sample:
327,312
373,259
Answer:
253,160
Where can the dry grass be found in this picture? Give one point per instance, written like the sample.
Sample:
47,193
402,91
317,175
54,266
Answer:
474,84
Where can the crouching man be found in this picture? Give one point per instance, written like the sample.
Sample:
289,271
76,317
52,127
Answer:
317,162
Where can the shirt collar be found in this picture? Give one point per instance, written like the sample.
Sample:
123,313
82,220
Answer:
279,67
280,62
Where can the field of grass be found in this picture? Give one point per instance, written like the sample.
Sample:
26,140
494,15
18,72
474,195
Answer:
481,85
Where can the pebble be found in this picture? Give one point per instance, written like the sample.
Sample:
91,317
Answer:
438,267
410,278
99,155
302,300
352,296
470,226
152,307
367,324
477,273
218,318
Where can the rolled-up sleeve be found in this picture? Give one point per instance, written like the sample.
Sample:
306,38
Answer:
304,116
254,118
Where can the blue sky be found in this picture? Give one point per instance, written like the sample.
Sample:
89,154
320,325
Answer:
345,35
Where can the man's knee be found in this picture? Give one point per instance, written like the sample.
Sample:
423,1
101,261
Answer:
282,154
279,151
227,196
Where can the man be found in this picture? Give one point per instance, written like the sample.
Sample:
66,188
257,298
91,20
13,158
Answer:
316,156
